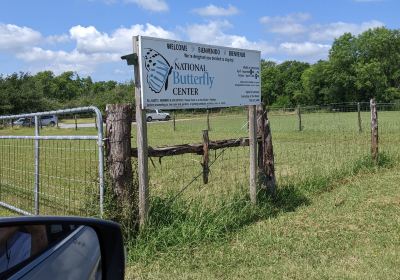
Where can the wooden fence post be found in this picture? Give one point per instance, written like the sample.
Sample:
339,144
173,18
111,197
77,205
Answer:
118,159
141,134
299,117
253,153
205,162
359,117
374,130
248,121
76,123
266,167
174,119
208,120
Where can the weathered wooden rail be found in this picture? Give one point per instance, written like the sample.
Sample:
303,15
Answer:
193,148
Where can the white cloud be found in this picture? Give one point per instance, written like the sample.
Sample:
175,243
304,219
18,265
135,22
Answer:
304,49
90,40
14,38
60,61
151,5
57,39
334,30
295,24
287,25
212,10
92,48
213,33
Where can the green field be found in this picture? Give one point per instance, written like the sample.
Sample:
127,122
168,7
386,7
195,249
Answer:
202,233
317,227
350,232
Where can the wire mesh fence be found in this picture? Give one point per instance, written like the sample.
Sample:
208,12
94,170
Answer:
329,145
182,174
54,173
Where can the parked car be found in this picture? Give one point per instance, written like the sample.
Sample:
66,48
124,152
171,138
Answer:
60,248
50,120
157,115
23,122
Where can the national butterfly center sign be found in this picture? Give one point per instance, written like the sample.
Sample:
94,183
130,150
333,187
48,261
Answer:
179,75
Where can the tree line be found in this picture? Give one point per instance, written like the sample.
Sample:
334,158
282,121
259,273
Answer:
44,91
358,68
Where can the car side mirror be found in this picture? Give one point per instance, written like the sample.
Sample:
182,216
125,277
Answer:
60,248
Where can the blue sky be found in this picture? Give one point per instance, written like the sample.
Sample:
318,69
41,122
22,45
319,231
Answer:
89,36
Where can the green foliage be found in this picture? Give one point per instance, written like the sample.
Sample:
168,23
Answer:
281,83
22,93
359,68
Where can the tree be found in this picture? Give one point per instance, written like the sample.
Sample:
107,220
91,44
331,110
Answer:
316,84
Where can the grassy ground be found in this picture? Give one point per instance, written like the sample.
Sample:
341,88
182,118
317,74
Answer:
212,231
349,232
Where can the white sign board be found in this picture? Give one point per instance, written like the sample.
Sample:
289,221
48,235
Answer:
178,75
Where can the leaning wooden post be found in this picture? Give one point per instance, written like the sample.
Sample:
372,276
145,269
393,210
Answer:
266,162
253,153
119,165
141,135
299,117
269,157
374,130
359,117
205,162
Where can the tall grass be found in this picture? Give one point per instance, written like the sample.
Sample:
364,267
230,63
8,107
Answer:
176,223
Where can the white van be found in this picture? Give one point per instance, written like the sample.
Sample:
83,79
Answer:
157,115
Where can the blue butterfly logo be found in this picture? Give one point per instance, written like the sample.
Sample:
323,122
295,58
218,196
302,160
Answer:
158,70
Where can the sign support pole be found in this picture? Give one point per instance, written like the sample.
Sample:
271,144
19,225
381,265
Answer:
141,143
253,153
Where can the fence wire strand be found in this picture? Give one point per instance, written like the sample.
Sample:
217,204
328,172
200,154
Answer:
328,144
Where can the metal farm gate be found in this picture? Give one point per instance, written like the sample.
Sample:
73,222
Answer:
49,171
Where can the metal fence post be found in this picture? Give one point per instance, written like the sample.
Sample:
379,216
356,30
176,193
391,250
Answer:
100,146
37,167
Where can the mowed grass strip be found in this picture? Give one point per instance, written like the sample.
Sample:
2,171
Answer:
350,232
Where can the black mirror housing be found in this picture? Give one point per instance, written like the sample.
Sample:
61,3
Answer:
108,233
